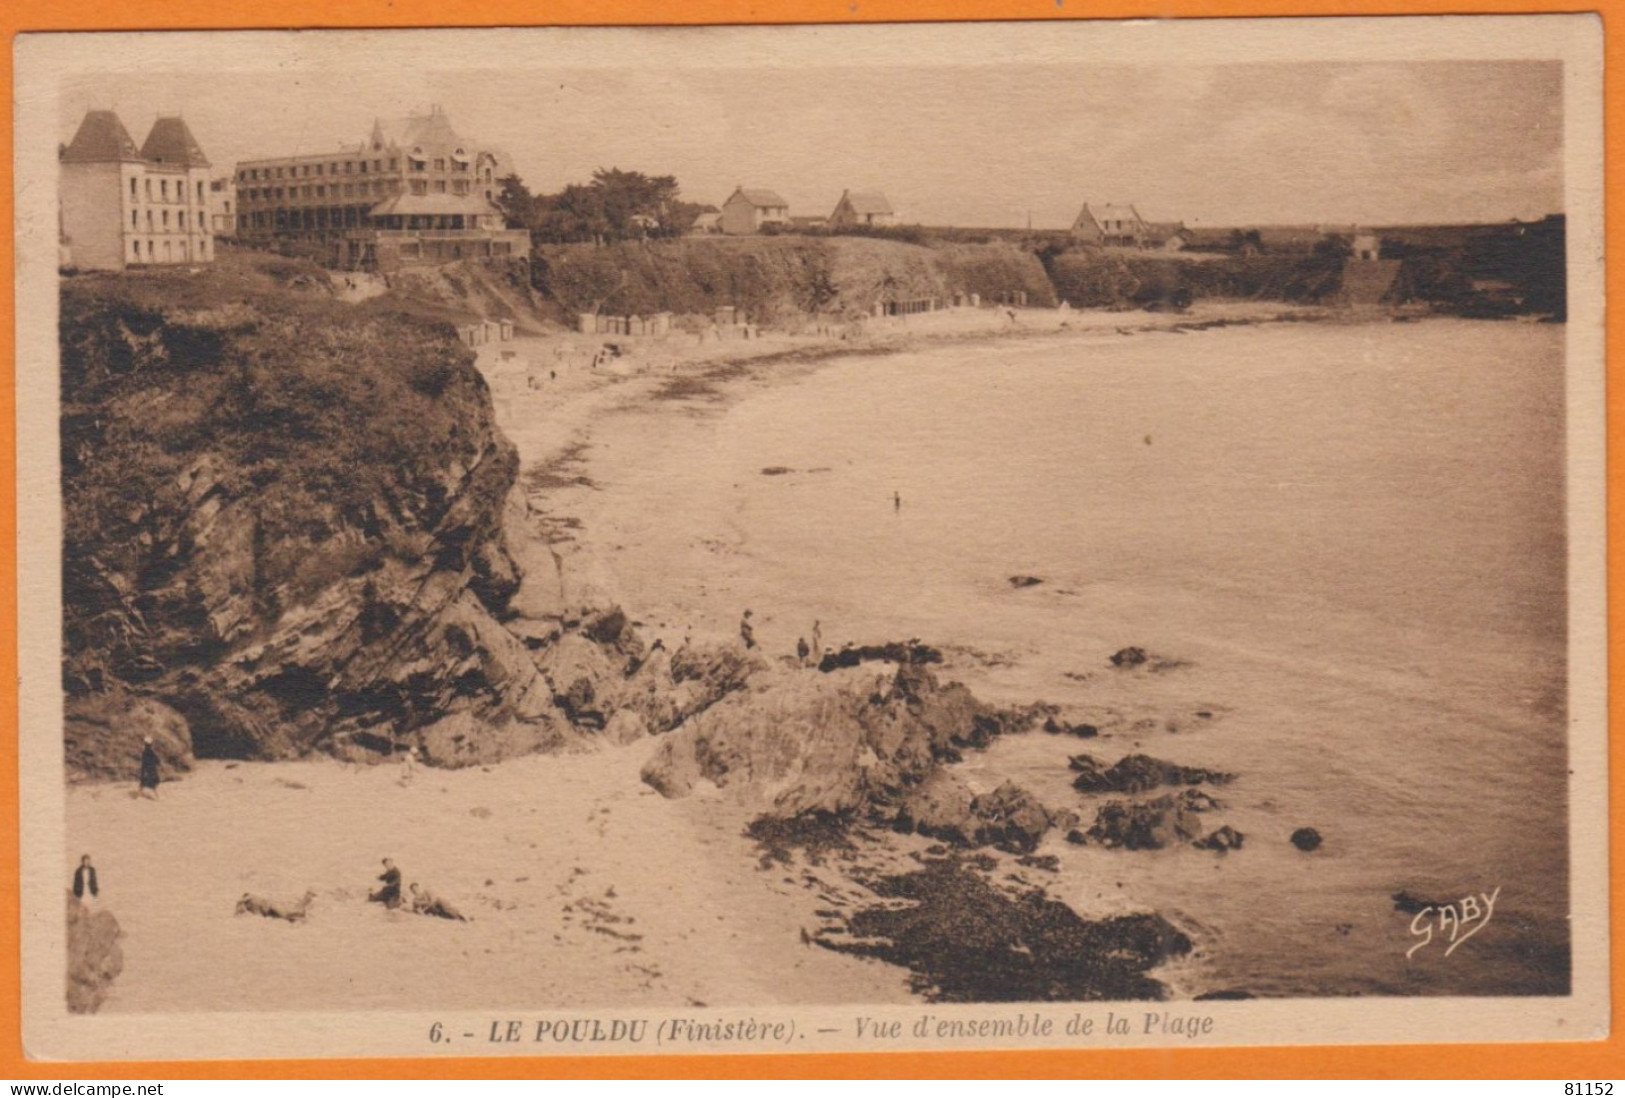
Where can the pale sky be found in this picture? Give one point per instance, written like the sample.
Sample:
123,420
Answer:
965,144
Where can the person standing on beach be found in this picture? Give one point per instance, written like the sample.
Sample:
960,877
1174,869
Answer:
149,769
897,502
746,633
817,641
802,651
84,881
390,894
409,765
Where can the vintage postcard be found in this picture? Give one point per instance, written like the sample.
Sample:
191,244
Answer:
819,538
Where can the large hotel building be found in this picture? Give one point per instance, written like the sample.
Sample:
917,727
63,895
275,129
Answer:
413,192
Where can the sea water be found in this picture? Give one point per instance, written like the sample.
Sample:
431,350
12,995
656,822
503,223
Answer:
1342,545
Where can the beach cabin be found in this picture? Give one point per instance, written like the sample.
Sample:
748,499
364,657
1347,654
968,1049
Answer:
752,210
862,208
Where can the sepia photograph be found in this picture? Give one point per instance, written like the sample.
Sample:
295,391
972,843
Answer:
789,539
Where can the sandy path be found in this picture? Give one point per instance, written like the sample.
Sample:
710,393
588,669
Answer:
584,888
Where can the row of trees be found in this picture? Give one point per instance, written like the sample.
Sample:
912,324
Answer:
617,205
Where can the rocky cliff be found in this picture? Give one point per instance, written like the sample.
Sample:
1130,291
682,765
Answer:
283,527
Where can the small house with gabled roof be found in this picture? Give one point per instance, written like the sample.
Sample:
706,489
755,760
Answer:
862,208
751,209
1114,224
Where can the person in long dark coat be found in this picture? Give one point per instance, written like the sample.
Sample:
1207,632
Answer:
149,769
389,894
84,880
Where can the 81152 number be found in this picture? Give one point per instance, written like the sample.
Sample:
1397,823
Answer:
1589,1090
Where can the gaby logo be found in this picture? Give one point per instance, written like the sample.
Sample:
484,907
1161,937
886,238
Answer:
1452,922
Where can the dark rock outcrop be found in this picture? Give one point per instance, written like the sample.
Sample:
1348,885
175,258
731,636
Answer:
1222,839
1306,839
1129,657
1150,825
94,956
912,652
1057,727
1136,774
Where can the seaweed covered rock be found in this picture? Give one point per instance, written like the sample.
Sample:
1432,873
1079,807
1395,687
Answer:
965,939
1011,819
1149,825
1137,773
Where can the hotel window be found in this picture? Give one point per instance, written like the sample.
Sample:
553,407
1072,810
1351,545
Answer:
349,189
459,186
133,224
394,164
439,163
319,168
439,186
363,167
132,189
166,219
181,218
321,192
377,165
135,249
419,186
200,191
349,166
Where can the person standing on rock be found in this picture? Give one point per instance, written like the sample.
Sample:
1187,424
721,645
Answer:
149,769
390,893
817,641
802,651
746,633
84,881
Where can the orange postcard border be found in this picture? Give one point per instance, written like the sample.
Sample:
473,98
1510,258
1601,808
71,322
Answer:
1565,1061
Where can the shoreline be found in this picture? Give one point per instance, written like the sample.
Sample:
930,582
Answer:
701,837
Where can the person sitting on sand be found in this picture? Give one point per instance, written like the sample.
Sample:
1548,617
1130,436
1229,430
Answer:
746,633
149,769
425,902
84,881
390,894
251,904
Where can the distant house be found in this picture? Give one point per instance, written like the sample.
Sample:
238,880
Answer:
1170,236
1366,246
1118,225
706,224
862,208
752,210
